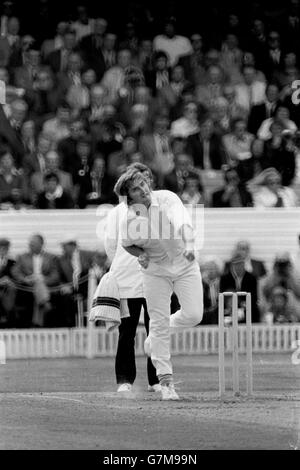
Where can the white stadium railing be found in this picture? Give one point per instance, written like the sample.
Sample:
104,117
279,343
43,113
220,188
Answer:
97,342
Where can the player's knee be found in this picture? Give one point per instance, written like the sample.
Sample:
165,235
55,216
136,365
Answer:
196,316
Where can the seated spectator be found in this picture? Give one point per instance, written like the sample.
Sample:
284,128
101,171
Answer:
94,187
98,99
13,189
193,63
289,63
59,127
178,81
220,116
7,288
235,110
72,73
175,180
239,279
10,129
159,77
283,275
121,158
237,144
174,45
280,153
28,136
192,191
267,191
231,57
252,265
17,57
25,75
90,48
58,59
82,159
107,134
52,165
207,93
280,307
53,197
156,148
74,265
234,193
281,116
35,272
187,124
206,147
45,98
145,57
114,78
109,50
35,161
67,147
266,110
211,275
252,91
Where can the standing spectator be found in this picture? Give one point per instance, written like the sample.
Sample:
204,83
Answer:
13,189
211,275
265,110
7,288
274,54
109,50
66,147
172,44
159,77
25,75
83,25
18,57
193,63
239,279
53,197
233,194
35,270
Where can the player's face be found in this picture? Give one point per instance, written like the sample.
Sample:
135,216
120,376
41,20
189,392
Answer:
140,192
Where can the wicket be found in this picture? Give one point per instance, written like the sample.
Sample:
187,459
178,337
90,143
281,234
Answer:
235,346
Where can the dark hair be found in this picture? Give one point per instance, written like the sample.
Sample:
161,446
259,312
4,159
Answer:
50,176
160,54
39,236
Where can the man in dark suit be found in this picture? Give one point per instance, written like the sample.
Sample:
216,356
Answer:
91,48
273,55
238,279
254,266
36,271
7,288
58,59
234,193
10,129
74,265
265,110
158,78
206,147
175,180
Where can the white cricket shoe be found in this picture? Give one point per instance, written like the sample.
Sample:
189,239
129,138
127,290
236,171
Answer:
168,392
147,347
154,388
124,388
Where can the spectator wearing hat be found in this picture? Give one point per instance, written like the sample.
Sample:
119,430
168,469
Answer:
74,265
53,196
267,190
35,272
7,288
238,279
174,45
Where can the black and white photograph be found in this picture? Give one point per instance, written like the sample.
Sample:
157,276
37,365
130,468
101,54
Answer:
149,228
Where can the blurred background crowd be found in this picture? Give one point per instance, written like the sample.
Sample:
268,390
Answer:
43,289
208,99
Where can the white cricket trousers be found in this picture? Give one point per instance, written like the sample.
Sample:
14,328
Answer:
159,281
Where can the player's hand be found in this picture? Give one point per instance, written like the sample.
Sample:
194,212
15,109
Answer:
189,255
144,260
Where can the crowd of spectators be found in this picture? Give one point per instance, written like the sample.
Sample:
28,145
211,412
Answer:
42,289
212,111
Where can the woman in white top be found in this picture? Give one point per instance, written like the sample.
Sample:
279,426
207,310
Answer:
267,191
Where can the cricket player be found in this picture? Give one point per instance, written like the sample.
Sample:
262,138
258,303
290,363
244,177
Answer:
158,231
126,271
